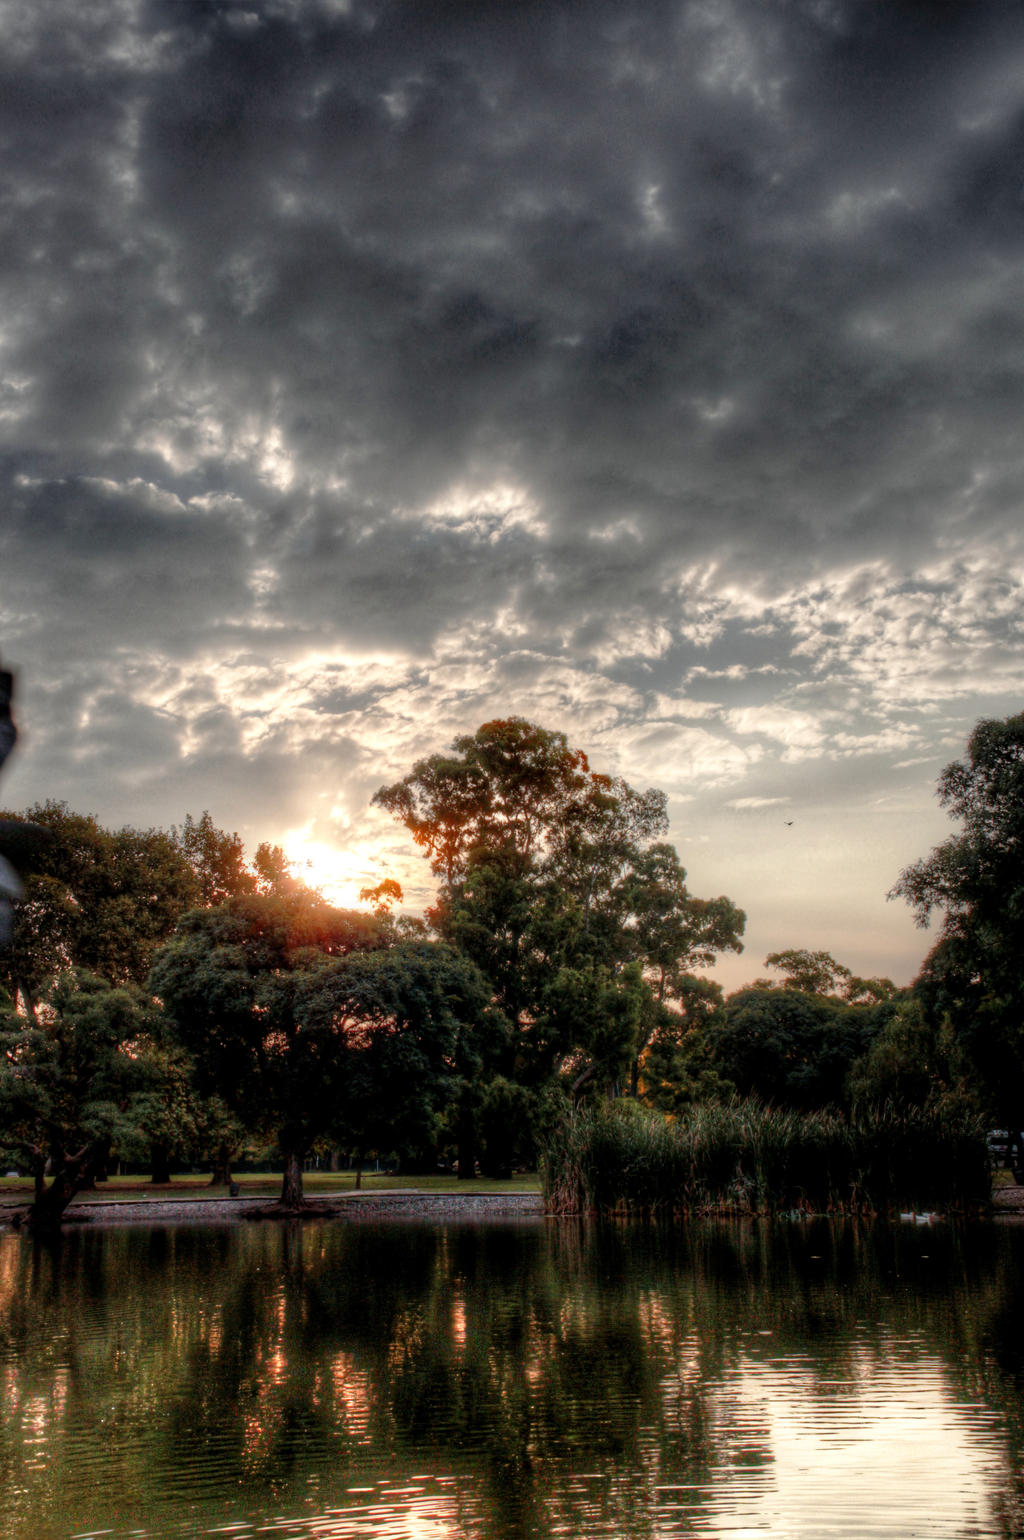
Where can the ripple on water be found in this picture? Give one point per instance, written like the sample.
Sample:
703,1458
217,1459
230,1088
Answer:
475,1386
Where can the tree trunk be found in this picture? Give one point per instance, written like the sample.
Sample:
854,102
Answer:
28,999
221,1170
359,1170
72,1173
291,1186
160,1165
466,1122
466,1156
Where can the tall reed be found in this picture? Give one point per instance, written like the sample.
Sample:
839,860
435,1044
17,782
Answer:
742,1157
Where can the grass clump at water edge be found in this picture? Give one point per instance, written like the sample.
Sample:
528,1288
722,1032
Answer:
742,1157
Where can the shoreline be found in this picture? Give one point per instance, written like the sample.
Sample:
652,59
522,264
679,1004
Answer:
406,1204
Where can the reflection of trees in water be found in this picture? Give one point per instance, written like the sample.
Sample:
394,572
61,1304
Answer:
559,1374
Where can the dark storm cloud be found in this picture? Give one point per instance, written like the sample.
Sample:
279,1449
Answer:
369,367
129,562
606,252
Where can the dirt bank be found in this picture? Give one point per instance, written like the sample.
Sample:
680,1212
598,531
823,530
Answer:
349,1208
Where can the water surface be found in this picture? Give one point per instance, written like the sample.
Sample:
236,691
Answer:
456,1382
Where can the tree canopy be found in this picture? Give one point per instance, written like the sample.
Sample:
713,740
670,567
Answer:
306,1024
412,1017
556,882
227,980
97,899
563,961
790,1047
818,973
71,1082
974,976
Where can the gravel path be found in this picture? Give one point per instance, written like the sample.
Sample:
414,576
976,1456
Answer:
349,1207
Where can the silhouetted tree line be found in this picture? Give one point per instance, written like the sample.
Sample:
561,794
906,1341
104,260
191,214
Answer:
161,995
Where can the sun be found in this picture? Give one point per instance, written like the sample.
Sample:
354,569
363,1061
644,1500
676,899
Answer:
337,874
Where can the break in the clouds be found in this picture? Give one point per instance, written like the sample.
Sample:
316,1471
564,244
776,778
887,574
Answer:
369,369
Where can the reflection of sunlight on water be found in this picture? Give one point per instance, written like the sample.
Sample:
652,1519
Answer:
351,1394
881,1450
465,1384
412,1512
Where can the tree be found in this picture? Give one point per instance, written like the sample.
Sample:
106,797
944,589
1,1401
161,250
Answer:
554,882
818,973
974,976
382,896
98,899
230,980
217,861
411,1017
912,1062
274,871
508,786
789,1047
676,1066
171,1122
671,933
813,973
70,1084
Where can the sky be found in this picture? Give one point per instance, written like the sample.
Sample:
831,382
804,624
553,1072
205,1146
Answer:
651,370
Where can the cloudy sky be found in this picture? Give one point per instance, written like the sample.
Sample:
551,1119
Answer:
650,369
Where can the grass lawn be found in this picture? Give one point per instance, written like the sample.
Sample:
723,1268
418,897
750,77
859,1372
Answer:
185,1188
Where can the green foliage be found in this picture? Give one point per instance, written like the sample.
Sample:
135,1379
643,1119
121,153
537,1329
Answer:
791,1048
273,871
974,976
818,973
678,1066
813,973
506,787
912,1062
170,1123
216,860
506,1120
409,1020
76,1080
229,981
98,899
744,1157
555,883
306,1025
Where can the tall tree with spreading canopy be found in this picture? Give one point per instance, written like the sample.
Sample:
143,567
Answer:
230,979
671,933
410,1018
554,882
974,976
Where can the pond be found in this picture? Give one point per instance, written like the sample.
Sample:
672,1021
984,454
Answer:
457,1382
